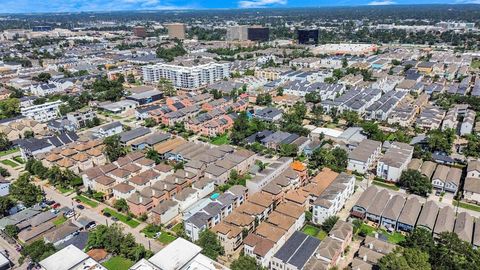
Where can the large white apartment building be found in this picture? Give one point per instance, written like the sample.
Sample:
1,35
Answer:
187,77
42,112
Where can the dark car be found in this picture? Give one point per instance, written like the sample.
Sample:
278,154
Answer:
55,206
81,207
50,202
114,219
106,214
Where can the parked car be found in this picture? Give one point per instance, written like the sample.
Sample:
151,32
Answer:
114,218
56,205
91,225
106,214
69,214
50,202
81,207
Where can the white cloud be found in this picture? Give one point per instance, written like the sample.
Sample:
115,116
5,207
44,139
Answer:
260,3
382,3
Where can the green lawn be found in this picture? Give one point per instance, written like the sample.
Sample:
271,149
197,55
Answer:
166,238
59,221
64,190
393,238
314,231
130,222
10,163
178,228
18,159
8,152
87,201
118,263
467,206
385,185
219,140
475,63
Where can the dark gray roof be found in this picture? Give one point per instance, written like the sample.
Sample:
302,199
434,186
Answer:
133,134
298,249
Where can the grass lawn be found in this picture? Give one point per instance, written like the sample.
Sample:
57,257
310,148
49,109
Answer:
8,152
132,223
118,263
166,238
393,238
10,163
314,231
467,206
178,228
385,185
475,63
87,201
219,140
64,190
18,159
60,220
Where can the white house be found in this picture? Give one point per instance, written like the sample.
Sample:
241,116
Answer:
42,112
109,129
364,156
333,198
395,160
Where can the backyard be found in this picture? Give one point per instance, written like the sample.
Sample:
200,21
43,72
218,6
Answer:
314,231
385,185
393,238
467,206
221,139
8,152
10,163
118,263
165,237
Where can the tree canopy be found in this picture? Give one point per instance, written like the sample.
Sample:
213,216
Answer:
414,182
23,190
210,244
113,148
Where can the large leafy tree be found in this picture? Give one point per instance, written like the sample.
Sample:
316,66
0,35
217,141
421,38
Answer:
38,250
9,108
166,87
113,148
441,140
335,159
4,142
23,190
405,259
328,224
210,244
245,263
414,182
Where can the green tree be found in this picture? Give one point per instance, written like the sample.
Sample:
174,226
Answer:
23,190
441,140
280,91
150,122
420,239
312,97
113,148
111,90
4,172
373,131
5,204
28,134
328,224
245,263
5,144
414,182
335,159
239,129
9,108
210,244
121,205
130,78
167,87
42,77
405,259
38,250
153,155
12,231
288,150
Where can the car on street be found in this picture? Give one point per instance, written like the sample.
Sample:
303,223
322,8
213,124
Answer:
106,214
114,218
81,207
56,205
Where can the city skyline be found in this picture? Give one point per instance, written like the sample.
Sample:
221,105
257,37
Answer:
33,6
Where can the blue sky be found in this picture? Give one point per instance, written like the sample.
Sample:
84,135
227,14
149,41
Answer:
22,6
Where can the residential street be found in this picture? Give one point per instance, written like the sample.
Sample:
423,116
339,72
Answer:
95,214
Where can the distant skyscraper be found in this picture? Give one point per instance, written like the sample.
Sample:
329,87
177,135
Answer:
258,33
238,32
176,30
307,36
139,31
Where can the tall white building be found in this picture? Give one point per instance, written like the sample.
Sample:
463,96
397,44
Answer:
187,77
237,32
42,112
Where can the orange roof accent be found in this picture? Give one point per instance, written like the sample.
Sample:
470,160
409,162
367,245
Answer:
298,166
97,254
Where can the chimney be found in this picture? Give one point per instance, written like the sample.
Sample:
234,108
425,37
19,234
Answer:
140,199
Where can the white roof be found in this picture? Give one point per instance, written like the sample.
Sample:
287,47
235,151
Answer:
175,255
144,265
330,132
64,259
3,260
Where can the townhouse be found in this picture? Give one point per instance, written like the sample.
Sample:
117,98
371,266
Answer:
394,161
364,156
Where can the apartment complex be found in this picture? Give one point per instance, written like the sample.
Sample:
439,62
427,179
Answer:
42,112
189,78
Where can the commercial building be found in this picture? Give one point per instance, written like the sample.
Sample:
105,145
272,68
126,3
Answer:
176,30
307,36
258,33
189,78
238,32
139,31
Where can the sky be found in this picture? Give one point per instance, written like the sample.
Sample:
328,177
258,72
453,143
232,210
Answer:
27,6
